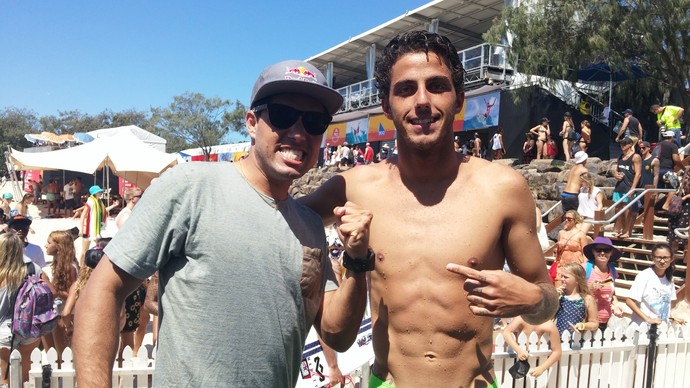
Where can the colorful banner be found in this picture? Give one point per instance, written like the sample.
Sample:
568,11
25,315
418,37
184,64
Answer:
459,119
357,131
335,134
481,111
31,175
381,128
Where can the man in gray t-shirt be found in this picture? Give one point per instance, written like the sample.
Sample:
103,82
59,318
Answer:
243,268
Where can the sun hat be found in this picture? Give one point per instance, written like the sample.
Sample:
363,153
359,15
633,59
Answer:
580,156
588,250
8,196
669,134
95,189
299,77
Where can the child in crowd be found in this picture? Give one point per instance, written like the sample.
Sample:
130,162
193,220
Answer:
91,259
652,294
518,325
578,310
63,273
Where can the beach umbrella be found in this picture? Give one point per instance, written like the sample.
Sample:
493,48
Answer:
83,137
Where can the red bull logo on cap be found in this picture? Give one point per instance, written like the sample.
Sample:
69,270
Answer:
302,72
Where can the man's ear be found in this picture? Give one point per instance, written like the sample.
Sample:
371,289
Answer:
386,108
251,121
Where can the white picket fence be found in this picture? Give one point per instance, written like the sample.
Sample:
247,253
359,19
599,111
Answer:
614,358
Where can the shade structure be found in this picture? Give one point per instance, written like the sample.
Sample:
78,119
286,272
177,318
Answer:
602,72
126,155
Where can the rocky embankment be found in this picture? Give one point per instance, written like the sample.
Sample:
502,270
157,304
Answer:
545,178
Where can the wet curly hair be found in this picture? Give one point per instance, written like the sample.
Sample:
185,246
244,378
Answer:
414,42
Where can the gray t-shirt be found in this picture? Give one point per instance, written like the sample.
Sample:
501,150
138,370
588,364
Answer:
241,281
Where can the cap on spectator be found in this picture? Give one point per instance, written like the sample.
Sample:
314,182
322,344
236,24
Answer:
298,77
95,189
18,222
544,120
625,112
644,144
566,114
580,156
625,140
8,196
669,134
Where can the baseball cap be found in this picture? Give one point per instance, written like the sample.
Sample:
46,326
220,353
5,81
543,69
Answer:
669,134
95,189
644,144
625,140
294,76
19,221
567,114
544,120
580,156
628,111
8,196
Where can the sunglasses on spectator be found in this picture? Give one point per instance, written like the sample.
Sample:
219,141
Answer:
284,117
602,250
569,219
136,196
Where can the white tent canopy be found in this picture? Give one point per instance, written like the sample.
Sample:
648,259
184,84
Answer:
147,137
125,154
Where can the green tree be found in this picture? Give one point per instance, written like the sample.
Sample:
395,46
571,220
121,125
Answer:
14,124
200,121
552,38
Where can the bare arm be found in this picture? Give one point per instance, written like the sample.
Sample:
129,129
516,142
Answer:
637,166
556,350
326,198
655,171
515,326
635,307
677,162
342,310
335,376
97,323
151,301
600,200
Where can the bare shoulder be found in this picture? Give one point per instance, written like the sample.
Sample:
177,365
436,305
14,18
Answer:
498,177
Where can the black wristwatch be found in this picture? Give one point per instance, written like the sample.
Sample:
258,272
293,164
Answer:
360,265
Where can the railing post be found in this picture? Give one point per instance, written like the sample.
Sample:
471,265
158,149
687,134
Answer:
651,355
648,214
598,230
15,369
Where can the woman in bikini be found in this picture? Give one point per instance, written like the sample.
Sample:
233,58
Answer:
541,131
568,135
571,240
586,132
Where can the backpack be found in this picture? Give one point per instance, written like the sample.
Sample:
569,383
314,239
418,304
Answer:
33,315
590,265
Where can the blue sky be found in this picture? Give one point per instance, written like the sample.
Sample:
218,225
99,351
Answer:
118,55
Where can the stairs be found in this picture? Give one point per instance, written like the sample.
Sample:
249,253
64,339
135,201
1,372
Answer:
636,251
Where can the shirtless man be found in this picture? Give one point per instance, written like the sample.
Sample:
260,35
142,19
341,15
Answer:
438,281
569,199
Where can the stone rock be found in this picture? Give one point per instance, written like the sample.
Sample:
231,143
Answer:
545,177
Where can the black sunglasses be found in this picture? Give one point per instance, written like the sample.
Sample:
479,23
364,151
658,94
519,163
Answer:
284,117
